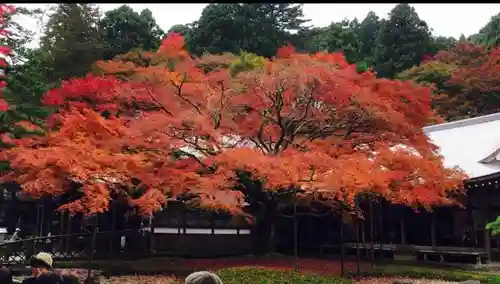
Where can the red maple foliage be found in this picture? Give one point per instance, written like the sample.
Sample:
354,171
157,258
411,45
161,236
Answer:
472,89
5,11
479,84
463,54
103,158
100,93
466,78
308,121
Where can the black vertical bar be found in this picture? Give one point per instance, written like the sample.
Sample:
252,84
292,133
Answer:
342,252
358,251
91,254
212,222
42,225
381,226
487,239
38,219
184,213
151,233
67,241
113,229
295,231
372,232
433,227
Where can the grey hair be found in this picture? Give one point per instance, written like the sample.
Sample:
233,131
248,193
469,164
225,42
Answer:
202,277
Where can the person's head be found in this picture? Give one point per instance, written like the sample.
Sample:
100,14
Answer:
40,264
70,279
5,275
202,277
49,278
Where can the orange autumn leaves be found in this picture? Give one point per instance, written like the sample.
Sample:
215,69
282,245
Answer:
168,127
87,149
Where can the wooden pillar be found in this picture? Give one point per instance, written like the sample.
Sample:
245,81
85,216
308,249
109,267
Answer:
372,233
433,228
487,236
71,219
212,222
342,251
358,252
184,213
363,232
381,225
402,227
151,234
112,244
310,230
470,219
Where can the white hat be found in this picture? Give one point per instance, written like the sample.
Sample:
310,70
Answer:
43,258
202,277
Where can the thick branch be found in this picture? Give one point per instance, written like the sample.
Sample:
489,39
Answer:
179,93
193,157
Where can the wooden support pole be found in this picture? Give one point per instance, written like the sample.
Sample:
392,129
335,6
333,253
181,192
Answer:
487,236
91,253
433,229
402,227
358,251
295,233
151,234
363,234
381,226
372,233
342,251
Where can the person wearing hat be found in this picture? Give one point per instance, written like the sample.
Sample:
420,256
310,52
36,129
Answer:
40,264
202,277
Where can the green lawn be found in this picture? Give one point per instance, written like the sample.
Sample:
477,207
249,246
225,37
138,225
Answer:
239,276
448,274
387,274
265,276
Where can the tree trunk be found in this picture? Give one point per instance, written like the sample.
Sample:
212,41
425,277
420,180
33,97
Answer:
263,230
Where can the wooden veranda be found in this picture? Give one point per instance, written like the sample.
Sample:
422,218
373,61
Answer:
445,234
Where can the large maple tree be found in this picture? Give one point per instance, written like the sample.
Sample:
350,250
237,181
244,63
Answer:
168,127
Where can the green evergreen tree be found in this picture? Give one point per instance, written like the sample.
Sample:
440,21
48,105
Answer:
123,29
72,40
256,28
401,42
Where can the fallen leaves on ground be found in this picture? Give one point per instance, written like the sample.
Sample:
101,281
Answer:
306,265
142,279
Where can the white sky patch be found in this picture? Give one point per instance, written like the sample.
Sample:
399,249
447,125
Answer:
444,19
